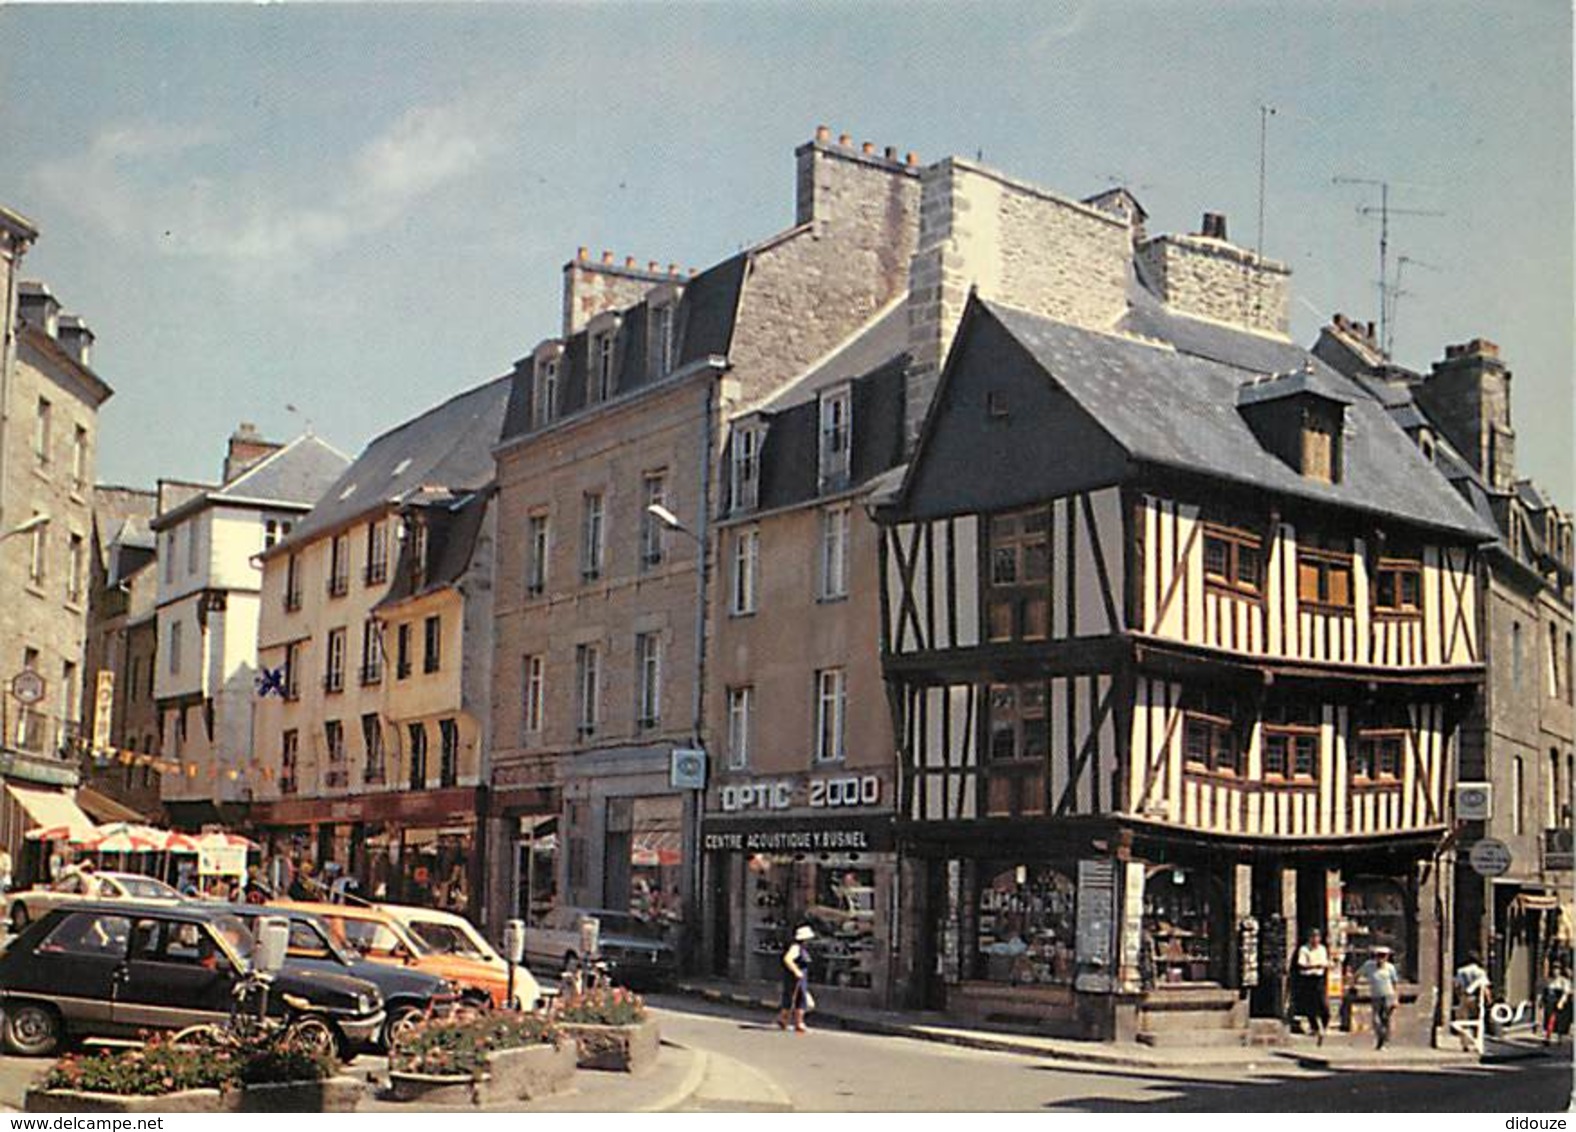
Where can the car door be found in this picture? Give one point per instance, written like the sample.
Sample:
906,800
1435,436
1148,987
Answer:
175,975
77,966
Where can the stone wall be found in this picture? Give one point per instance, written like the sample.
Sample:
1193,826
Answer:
591,287
1015,243
1210,278
1468,396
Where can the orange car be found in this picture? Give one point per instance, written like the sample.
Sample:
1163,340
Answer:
380,937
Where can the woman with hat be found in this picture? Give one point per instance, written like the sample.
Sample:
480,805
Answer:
796,980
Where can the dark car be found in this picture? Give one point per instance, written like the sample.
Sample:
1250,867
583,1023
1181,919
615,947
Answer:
118,968
408,994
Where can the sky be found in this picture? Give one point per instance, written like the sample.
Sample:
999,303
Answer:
336,216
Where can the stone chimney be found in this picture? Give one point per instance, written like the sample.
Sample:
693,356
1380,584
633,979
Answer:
1013,242
76,339
1468,396
591,287
839,179
38,307
247,447
1207,276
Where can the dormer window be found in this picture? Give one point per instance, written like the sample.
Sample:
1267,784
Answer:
746,466
1321,444
1298,417
662,340
836,437
546,407
601,367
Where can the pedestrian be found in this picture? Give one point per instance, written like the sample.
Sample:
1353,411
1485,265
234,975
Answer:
1312,965
1384,991
5,871
304,886
1472,991
796,981
1556,1005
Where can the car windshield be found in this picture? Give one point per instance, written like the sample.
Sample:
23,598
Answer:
368,937
146,888
623,924
230,929
449,939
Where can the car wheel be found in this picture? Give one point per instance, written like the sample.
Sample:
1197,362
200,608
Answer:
32,1029
402,1021
18,917
315,1034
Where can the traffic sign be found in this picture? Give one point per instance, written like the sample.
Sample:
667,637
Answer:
1490,857
27,686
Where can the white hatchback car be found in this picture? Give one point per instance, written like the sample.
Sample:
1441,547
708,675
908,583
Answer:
444,933
79,884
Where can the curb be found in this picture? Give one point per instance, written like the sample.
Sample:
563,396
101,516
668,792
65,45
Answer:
687,1087
1267,1055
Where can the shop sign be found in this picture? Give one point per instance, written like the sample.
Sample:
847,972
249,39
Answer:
103,708
1557,848
1490,857
805,836
822,793
222,860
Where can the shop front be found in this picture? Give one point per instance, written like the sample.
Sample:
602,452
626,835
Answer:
768,875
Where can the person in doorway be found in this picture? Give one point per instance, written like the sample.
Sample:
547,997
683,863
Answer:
1557,1005
1312,966
796,981
1384,991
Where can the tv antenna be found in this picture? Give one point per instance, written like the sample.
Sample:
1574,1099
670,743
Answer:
1384,212
1396,292
1266,112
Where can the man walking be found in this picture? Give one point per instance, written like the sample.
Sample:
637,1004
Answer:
1313,1003
1384,991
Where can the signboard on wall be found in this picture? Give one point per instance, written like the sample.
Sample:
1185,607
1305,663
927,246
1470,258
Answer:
103,708
799,835
222,861
1132,926
1096,924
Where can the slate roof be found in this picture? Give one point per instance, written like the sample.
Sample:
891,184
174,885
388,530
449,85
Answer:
1175,404
447,447
452,528
880,340
295,475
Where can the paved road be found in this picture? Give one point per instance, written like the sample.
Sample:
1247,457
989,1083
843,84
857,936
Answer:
829,1070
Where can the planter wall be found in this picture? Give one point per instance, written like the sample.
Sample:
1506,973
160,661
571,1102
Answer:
622,1049
337,1094
512,1075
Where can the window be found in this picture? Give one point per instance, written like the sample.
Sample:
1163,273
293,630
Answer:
1377,755
1018,592
1233,561
1554,794
418,756
289,750
831,702
746,561
588,688
601,367
432,633
334,670
648,680
1518,771
834,553
741,706
293,583
1290,739
270,533
372,740
1321,446
193,546
1555,682
1211,734
168,555
377,553
1324,574
591,534
74,570
1515,653
416,534
835,438
745,468
41,427
79,459
662,340
535,689
653,493
175,648
448,753
1018,728
334,744
38,558
536,551
1398,587
546,391
402,651
339,566
293,671
371,652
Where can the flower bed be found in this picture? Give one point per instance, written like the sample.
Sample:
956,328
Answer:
164,1077
481,1060
611,1030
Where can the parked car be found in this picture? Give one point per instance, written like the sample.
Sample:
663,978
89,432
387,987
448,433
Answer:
379,936
408,994
115,968
77,885
638,951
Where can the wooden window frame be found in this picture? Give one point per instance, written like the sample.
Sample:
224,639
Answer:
1022,713
1017,594
1215,728
1377,773
1236,542
1399,569
1325,562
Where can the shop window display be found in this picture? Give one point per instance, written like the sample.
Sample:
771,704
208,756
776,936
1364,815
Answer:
1375,911
1181,910
1027,925
835,894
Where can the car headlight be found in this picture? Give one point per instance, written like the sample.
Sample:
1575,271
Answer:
447,989
363,1004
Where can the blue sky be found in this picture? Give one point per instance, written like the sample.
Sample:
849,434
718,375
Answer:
359,210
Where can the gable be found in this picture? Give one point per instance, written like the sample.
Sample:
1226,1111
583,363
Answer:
1002,433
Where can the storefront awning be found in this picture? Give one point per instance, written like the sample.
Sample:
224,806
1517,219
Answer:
1535,902
102,808
51,808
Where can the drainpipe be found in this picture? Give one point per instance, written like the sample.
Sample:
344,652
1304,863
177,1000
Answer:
692,916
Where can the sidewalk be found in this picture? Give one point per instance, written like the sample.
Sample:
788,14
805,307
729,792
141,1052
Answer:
1340,1050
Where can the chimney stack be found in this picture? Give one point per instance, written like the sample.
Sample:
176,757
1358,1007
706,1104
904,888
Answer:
246,448
1468,396
1214,227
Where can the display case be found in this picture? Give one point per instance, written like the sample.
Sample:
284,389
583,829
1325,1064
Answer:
1177,921
1026,926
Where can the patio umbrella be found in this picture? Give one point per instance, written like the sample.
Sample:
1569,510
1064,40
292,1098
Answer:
125,841
221,839
59,833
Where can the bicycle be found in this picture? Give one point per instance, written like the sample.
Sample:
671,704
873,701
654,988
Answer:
248,1027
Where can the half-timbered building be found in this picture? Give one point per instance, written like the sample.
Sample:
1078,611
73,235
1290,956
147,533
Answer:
1178,632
